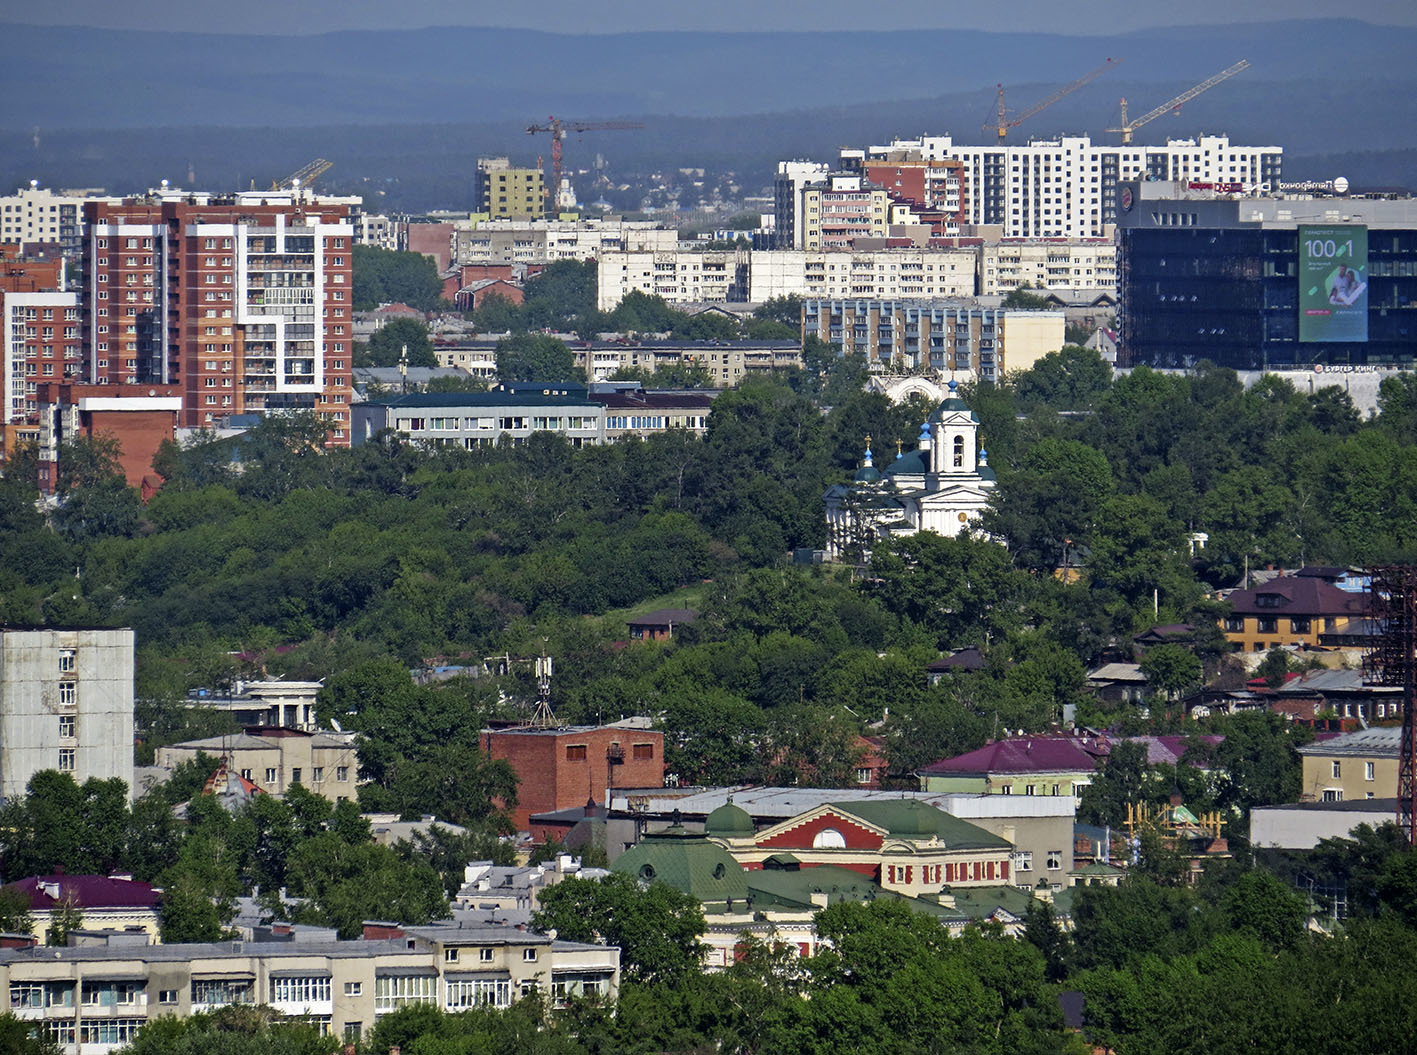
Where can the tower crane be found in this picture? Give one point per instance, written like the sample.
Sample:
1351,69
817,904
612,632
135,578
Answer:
1128,127
304,176
1003,122
558,129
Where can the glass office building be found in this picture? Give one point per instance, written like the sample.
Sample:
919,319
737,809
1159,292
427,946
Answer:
1244,282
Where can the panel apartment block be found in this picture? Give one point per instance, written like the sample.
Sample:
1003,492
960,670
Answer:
929,273
680,276
244,301
66,703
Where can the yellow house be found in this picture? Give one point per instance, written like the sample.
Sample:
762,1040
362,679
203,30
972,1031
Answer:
1358,765
106,903
1288,610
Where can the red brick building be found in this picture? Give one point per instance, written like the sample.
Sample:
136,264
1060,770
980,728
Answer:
39,339
242,301
138,420
561,768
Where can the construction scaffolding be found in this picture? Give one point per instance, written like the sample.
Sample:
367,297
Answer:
1392,660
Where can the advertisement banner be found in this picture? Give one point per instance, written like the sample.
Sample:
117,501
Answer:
1333,283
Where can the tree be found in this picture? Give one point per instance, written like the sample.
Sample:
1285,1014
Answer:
95,499
1121,782
15,915
1170,669
657,928
387,276
1072,378
1260,904
387,344
345,884
1021,299
16,1039
64,917
535,357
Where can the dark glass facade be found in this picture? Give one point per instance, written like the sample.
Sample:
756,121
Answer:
1230,295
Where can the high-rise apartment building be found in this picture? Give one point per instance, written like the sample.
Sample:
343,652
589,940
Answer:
1067,187
506,193
37,216
39,337
244,301
66,703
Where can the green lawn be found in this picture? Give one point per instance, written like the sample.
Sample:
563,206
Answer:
684,597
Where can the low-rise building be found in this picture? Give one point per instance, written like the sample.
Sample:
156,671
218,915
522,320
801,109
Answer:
273,702
514,241
728,362
517,888
276,759
1054,264
1288,610
103,903
635,412
476,419
1359,765
1025,765
94,998
1301,825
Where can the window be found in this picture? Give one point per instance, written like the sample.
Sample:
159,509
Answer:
1333,795
300,989
68,694
66,660
1007,789
353,1030
1029,789
1266,624
959,452
295,775
353,988
246,774
575,752
215,992
1368,770
66,730
270,775
529,955
479,992
1337,770
341,773
317,774
111,994
66,759
167,996
450,955
642,752
1055,860
392,992
26,994
1023,861
1300,626
485,955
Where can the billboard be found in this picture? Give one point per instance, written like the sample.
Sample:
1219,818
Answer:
1333,283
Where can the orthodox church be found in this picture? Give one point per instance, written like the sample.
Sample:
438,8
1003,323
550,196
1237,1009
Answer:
942,486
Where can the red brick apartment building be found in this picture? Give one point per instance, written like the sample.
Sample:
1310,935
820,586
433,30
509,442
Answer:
39,338
243,302
559,769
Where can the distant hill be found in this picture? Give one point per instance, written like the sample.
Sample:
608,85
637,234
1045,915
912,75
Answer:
408,113
75,77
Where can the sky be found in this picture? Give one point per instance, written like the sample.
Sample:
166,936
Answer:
613,16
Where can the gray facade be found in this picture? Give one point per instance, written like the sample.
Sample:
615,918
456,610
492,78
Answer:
474,419
66,703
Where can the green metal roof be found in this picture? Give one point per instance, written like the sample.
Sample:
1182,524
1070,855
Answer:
912,819
981,902
689,863
729,819
792,887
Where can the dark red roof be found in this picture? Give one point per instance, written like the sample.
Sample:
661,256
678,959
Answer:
86,892
1291,595
1026,754
965,659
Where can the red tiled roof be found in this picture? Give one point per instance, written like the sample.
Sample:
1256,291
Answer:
86,892
1028,754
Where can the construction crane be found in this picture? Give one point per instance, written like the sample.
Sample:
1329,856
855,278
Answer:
558,130
1128,127
1003,122
304,176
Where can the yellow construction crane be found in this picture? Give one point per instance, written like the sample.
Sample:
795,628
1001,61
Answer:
1003,122
1128,127
305,176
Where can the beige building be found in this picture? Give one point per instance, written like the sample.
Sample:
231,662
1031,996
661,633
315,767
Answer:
887,273
1358,765
323,762
1053,264
93,999
728,363
842,209
504,192
511,241
680,276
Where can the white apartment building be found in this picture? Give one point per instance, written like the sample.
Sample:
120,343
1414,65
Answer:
885,273
680,276
377,230
39,341
36,214
546,241
1055,264
66,703
1067,187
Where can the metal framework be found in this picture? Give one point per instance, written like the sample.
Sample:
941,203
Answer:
1392,660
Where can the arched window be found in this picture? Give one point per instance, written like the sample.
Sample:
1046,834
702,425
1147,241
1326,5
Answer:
829,839
959,452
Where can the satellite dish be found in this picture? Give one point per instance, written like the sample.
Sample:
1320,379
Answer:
1340,185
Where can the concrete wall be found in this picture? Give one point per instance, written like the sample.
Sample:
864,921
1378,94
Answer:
90,704
1029,336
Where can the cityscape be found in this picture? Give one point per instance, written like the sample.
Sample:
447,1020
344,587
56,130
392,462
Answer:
867,537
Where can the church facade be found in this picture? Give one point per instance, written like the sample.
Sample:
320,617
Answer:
941,486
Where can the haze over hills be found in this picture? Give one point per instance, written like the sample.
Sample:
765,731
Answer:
410,111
